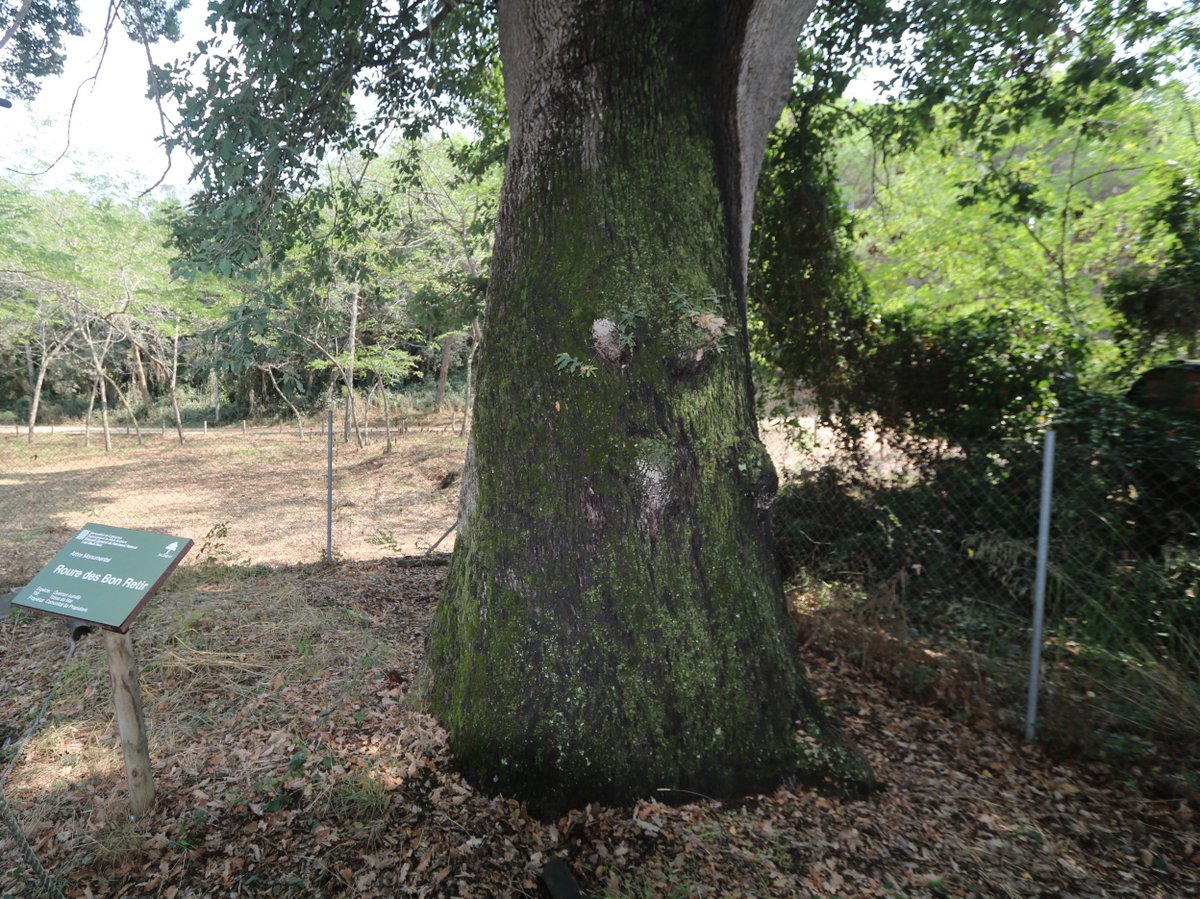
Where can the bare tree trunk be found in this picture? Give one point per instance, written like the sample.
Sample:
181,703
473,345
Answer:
36,400
124,398
138,374
348,370
387,415
444,371
87,422
30,368
50,349
476,335
283,396
175,382
351,421
100,379
367,414
98,356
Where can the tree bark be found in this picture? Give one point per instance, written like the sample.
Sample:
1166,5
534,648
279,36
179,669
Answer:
175,383
444,371
98,357
50,349
87,422
614,623
124,399
35,399
387,414
474,334
139,373
100,380
295,412
351,416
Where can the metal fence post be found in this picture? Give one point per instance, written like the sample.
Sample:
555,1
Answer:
329,488
1039,584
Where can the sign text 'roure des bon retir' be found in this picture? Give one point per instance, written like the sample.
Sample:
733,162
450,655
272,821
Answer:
104,575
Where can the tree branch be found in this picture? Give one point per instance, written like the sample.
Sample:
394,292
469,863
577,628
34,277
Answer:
152,73
17,22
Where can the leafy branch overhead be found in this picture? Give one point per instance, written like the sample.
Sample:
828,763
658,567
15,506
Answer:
280,88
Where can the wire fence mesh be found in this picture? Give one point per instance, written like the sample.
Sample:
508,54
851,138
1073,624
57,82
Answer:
940,550
244,493
945,552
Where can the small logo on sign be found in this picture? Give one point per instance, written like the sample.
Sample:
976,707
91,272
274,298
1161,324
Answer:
172,546
82,535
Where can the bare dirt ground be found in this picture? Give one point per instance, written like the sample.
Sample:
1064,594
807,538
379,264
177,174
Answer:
254,498
257,498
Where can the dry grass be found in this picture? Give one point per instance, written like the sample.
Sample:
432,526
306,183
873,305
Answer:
229,658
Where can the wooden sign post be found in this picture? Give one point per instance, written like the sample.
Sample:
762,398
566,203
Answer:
130,723
105,575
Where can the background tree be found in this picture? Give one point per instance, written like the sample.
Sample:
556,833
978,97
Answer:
1032,128
1159,302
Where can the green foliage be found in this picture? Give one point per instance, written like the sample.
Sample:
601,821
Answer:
35,49
989,197
1160,305
276,97
571,365
962,380
992,68
976,294
805,286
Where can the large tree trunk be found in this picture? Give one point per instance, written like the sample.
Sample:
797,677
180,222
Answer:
613,622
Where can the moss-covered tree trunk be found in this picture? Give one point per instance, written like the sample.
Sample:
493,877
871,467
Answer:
613,622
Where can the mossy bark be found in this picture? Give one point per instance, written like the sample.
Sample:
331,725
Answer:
613,623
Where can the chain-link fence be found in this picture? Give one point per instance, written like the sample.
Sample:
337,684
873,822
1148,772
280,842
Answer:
245,493
944,553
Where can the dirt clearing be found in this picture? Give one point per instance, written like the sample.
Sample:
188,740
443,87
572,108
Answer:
256,498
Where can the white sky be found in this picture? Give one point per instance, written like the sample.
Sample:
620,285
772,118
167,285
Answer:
115,125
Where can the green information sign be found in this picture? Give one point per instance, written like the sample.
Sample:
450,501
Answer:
104,575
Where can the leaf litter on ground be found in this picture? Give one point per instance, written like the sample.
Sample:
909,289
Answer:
289,761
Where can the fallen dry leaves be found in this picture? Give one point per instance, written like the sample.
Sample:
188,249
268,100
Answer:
312,776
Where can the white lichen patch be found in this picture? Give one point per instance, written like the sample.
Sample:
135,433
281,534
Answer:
606,338
655,487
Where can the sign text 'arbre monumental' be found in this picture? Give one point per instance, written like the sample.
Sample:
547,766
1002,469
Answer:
104,575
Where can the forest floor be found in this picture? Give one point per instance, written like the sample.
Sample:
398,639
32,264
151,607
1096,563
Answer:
287,762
